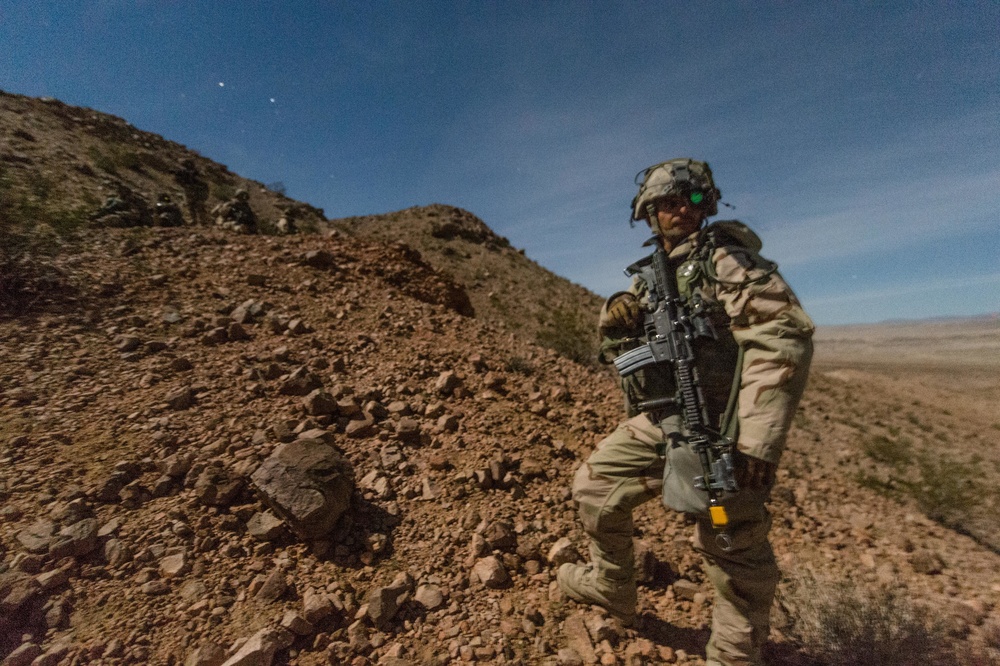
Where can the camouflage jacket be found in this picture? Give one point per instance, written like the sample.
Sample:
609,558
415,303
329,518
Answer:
764,337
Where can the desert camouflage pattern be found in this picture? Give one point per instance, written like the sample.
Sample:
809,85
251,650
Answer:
626,470
752,308
662,179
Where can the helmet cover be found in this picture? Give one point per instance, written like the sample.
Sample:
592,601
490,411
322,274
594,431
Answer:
676,177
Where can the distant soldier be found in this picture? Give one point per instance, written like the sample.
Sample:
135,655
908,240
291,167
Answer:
168,214
112,205
286,223
195,190
125,208
236,214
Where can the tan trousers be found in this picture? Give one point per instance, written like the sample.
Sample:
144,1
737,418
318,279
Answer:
626,470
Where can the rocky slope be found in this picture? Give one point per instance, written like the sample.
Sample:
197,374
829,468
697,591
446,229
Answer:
119,402
505,287
59,163
144,387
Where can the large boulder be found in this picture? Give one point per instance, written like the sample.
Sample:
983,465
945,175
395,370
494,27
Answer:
308,483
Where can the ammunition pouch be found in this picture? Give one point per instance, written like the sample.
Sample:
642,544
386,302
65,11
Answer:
682,465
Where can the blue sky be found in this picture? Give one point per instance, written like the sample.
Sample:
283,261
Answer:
860,140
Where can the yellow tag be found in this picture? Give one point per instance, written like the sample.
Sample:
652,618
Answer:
719,517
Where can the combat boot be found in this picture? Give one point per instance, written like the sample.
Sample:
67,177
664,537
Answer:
586,584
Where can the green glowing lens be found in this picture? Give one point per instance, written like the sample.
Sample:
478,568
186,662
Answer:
697,197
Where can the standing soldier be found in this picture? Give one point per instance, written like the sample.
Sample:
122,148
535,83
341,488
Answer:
195,190
751,359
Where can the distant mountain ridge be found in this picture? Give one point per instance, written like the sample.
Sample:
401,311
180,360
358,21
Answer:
943,319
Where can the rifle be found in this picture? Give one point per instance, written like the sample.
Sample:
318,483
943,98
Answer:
671,325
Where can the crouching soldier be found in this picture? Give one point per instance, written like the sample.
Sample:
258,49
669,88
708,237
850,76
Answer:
236,214
168,214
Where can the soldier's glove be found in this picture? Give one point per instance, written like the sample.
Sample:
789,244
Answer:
755,473
623,312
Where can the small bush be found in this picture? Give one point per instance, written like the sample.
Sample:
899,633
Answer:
155,162
895,452
946,491
34,228
224,191
114,158
564,332
520,365
842,623
915,420
101,160
883,486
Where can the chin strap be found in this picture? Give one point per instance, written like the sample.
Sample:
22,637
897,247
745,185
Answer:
651,218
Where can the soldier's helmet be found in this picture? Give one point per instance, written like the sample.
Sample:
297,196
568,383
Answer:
683,177
242,195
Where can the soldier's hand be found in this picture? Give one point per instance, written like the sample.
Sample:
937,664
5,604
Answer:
755,473
623,312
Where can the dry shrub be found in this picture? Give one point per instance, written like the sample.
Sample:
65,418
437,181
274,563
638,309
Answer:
845,623
563,332
947,490
28,268
36,225
894,452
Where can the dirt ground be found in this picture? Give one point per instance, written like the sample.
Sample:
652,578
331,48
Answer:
951,364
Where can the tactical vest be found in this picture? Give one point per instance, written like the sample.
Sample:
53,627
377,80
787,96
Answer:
718,359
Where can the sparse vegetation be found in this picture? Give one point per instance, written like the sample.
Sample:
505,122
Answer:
34,227
894,452
946,490
113,158
844,623
155,162
224,191
915,420
564,333
520,365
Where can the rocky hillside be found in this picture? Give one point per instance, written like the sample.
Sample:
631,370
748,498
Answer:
60,163
505,287
156,388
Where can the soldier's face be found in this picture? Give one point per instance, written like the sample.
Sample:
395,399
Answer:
677,218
